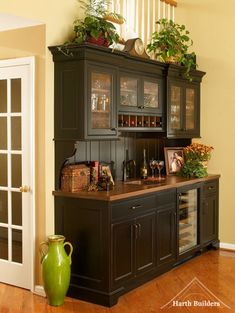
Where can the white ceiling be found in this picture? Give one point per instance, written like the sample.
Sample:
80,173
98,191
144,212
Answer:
8,22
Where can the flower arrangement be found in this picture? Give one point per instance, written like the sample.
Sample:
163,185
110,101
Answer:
196,157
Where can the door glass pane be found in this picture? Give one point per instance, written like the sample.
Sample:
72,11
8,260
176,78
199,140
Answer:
151,95
175,107
190,108
101,84
16,95
17,245
3,206
3,243
16,170
3,170
188,212
16,133
3,133
3,96
17,208
129,88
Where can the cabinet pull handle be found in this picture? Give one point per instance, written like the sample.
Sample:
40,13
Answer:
113,128
136,230
134,207
139,229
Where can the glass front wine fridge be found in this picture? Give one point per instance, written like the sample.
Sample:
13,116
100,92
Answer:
188,219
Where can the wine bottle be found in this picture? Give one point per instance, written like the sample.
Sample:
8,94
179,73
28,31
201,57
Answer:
144,167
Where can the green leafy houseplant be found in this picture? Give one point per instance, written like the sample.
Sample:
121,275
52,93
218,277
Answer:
96,27
196,158
171,45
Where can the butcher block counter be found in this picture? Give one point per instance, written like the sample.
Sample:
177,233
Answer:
123,190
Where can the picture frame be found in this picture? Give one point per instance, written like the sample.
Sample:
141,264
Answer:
106,171
174,159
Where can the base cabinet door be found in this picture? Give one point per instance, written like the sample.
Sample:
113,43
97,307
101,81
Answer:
209,219
133,248
123,236
166,235
145,243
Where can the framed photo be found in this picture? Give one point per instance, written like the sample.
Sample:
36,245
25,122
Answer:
107,172
174,158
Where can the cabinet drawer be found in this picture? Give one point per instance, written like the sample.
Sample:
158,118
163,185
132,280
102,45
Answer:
134,207
166,198
210,187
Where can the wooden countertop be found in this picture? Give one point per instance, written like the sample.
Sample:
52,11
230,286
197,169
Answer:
123,190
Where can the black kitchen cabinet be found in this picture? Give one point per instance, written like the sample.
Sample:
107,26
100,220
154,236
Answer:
183,104
101,102
166,228
99,91
133,238
140,94
133,248
120,244
85,100
210,214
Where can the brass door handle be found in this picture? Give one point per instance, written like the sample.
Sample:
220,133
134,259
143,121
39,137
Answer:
24,189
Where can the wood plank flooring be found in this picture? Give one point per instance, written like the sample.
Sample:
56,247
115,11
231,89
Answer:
215,269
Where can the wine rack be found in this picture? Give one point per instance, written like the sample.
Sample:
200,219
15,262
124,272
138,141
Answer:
188,212
139,121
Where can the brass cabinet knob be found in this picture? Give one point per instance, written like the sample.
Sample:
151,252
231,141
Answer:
24,189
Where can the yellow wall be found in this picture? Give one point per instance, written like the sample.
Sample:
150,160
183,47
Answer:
14,44
211,25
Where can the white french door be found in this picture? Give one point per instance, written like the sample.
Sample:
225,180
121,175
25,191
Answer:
16,171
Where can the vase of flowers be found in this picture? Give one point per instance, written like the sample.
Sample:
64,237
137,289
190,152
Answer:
196,158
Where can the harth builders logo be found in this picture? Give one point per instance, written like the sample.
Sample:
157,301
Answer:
195,294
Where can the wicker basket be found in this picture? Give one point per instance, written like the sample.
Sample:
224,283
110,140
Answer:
75,178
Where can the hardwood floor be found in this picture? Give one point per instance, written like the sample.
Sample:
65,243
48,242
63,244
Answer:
215,269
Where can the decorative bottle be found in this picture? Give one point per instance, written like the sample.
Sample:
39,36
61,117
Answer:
144,167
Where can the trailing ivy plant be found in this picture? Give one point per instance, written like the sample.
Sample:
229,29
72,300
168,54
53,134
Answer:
171,45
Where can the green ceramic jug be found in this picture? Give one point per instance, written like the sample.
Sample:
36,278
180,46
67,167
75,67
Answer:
56,268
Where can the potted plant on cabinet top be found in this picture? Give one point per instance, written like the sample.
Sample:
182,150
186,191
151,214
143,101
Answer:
196,157
171,45
96,27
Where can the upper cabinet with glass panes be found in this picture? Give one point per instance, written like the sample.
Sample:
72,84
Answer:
183,104
99,92
140,94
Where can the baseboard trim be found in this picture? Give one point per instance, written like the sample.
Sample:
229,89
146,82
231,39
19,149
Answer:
227,246
39,290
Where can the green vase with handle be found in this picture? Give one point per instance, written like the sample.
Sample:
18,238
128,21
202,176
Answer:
56,268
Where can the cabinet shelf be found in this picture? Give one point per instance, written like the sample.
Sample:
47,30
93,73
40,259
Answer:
98,90
100,111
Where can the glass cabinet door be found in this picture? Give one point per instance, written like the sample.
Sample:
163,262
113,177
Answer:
102,109
188,217
190,109
175,108
129,91
100,100
151,95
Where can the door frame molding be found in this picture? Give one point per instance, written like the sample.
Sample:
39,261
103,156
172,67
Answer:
29,61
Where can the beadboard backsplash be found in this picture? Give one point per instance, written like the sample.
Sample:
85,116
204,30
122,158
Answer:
114,150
